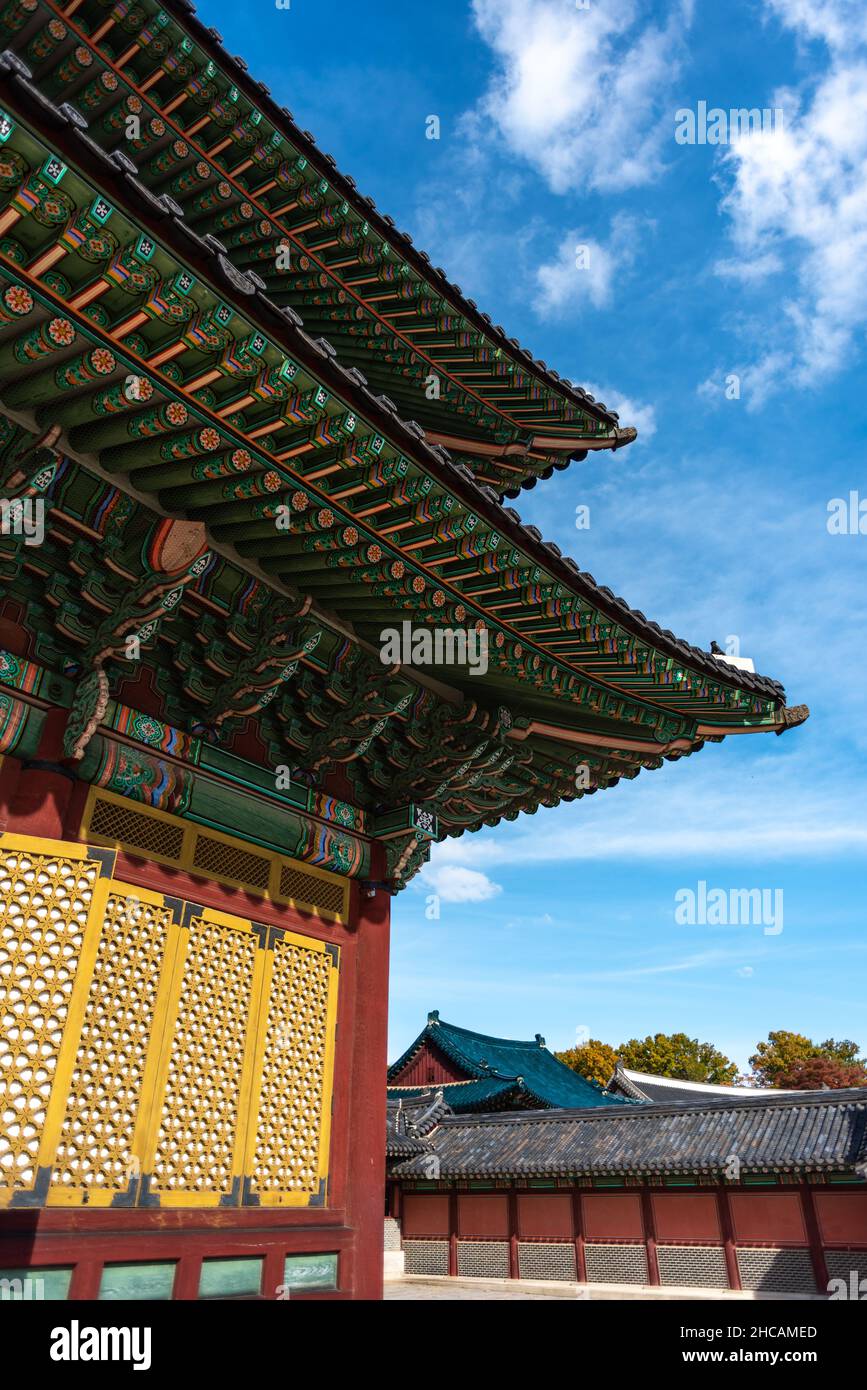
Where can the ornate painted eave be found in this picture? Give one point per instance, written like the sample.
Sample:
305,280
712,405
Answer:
357,278
138,362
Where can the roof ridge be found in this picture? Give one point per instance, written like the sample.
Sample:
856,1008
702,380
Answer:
850,1096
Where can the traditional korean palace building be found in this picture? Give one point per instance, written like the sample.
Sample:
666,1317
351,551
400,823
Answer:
247,429
705,1187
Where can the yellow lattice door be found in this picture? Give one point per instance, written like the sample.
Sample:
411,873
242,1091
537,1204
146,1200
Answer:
196,1155
149,1060
111,1076
287,1160
46,950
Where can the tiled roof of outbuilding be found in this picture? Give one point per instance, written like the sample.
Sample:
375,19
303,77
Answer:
500,1065
799,1132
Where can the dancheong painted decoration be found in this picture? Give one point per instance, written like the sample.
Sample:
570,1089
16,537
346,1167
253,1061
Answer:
268,629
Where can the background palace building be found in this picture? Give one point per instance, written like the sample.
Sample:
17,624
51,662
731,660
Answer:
221,479
503,1163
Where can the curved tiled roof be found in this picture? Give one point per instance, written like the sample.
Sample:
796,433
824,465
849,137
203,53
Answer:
497,1066
345,187
800,1133
409,1119
206,256
641,1085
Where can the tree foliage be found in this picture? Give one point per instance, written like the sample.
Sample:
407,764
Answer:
812,1073
679,1056
786,1054
594,1059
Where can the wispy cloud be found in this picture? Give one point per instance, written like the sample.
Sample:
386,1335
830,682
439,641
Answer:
699,817
580,94
796,198
639,414
455,884
587,269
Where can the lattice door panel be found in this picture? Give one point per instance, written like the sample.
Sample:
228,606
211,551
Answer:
196,1158
287,1162
46,952
109,1088
149,1060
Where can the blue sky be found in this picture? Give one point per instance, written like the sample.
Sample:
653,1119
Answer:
705,262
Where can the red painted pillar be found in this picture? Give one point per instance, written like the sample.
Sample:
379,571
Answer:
45,785
728,1234
578,1229
814,1235
649,1235
365,1205
188,1276
453,1232
514,1268
9,772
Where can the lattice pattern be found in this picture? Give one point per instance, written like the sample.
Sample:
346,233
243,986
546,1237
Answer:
426,1256
616,1264
290,1118
539,1259
195,1144
483,1259
698,1266
307,888
215,857
44,906
96,1142
123,826
776,1271
841,1265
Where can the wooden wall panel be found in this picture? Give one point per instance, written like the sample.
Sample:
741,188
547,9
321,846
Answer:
612,1216
775,1217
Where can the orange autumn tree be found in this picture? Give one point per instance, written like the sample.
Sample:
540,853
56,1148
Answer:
593,1059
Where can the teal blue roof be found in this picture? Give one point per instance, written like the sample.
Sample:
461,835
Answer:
496,1066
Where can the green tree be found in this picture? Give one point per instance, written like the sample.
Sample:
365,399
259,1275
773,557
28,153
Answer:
678,1056
845,1051
594,1059
779,1054
785,1053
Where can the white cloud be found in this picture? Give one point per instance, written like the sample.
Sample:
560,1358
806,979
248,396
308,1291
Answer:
757,268
838,22
580,93
456,884
585,269
631,412
746,972
797,197
701,813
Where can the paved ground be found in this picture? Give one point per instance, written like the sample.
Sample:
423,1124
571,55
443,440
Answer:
433,1289
415,1286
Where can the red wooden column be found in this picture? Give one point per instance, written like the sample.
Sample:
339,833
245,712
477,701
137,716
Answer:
10,769
514,1269
453,1232
578,1229
365,1204
649,1235
44,786
814,1235
726,1226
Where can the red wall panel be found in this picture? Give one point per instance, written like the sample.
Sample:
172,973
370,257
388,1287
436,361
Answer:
686,1216
429,1067
766,1216
842,1217
545,1215
612,1217
425,1215
483,1215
